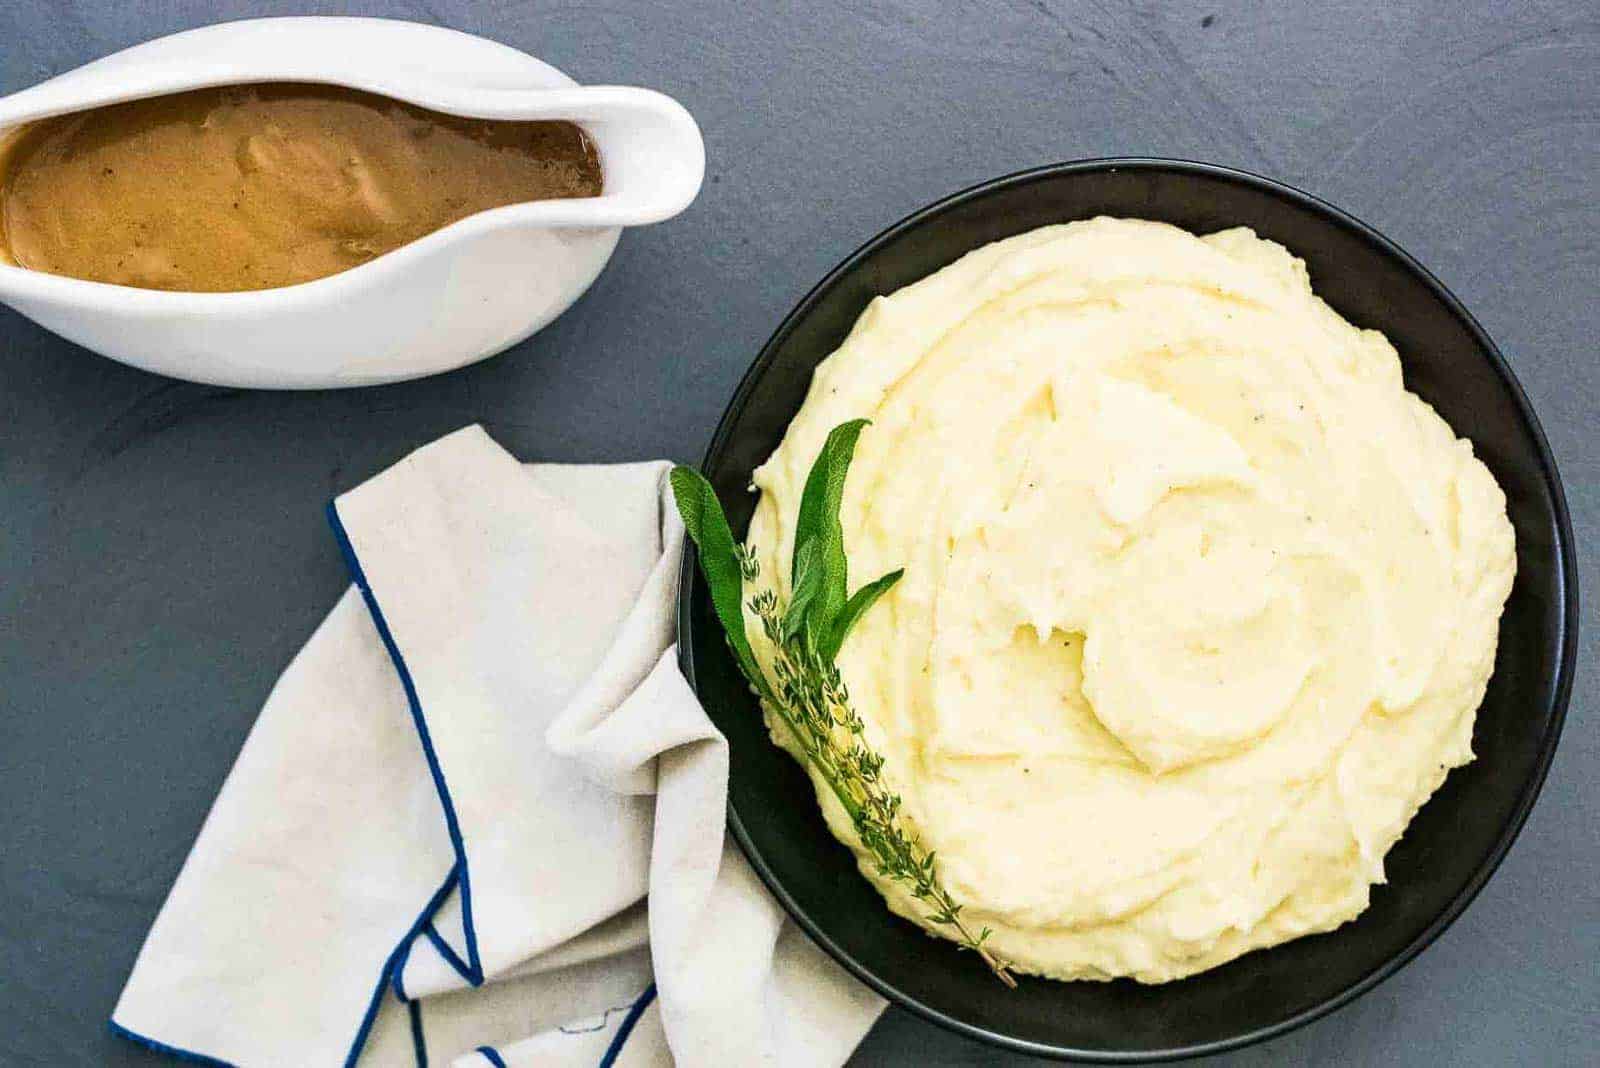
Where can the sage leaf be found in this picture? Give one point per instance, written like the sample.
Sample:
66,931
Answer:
805,585
832,639
817,524
707,526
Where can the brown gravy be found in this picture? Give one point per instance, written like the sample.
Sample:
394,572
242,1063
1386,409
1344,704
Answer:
252,187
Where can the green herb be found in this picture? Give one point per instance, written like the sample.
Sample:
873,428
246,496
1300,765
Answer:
804,688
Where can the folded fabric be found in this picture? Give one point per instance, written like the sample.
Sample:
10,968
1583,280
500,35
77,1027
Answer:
480,820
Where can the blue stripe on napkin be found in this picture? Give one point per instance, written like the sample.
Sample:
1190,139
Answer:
620,1039
162,1047
473,970
398,980
492,1055
386,976
447,951
419,1044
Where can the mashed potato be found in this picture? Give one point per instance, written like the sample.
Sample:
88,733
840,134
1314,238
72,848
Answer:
1199,601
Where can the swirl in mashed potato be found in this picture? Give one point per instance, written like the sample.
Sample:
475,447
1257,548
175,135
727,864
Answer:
1199,601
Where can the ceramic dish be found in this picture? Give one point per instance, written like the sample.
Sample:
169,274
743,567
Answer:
1455,841
459,294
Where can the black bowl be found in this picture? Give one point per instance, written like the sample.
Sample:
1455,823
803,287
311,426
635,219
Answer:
1456,840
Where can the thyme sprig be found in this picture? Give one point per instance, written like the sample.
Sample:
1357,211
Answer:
802,686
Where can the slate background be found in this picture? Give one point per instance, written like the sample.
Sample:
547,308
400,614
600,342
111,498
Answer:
163,553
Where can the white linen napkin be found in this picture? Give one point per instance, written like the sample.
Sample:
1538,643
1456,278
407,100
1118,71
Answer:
438,840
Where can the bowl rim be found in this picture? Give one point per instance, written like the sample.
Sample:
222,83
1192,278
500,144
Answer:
1567,579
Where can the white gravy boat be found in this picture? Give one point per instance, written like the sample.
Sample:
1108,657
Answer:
454,296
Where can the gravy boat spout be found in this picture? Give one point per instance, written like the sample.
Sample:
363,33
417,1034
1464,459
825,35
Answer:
459,294
650,149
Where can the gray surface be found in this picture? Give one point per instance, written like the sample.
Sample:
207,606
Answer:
162,551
